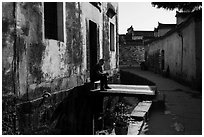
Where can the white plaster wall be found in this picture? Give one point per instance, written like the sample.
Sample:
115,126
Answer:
172,45
53,65
189,63
84,44
112,54
162,32
89,12
172,51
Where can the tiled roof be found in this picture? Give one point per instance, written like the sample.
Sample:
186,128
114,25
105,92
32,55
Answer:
143,33
197,15
161,25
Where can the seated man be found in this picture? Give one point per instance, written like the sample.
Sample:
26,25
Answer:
100,75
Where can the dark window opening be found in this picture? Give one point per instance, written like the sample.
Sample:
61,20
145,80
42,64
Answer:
53,15
111,11
97,5
112,43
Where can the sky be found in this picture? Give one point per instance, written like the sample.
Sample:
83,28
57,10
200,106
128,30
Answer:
143,16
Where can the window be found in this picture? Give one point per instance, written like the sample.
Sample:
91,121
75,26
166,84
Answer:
97,5
53,15
112,43
111,10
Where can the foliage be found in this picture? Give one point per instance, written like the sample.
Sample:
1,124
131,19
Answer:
117,117
183,6
120,115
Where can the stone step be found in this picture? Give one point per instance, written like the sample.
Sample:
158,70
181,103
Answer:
135,127
141,109
128,89
138,118
139,87
139,113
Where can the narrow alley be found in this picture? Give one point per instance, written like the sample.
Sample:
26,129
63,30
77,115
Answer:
87,68
182,114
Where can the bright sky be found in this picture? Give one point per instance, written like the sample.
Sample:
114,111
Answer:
143,16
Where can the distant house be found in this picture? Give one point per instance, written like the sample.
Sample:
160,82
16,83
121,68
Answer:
50,48
162,29
132,46
179,50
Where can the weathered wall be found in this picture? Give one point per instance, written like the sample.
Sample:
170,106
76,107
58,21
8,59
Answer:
189,53
8,81
33,65
180,52
111,57
8,39
198,39
89,12
131,55
162,31
29,46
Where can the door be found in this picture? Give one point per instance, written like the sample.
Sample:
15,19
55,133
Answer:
92,46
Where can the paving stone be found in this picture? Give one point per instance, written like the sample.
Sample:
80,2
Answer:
127,89
135,127
141,109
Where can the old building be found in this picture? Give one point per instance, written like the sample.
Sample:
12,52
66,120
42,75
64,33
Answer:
179,51
132,46
49,49
162,29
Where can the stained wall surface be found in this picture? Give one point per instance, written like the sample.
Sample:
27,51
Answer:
181,53
35,63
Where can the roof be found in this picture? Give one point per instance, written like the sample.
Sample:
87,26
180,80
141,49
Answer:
196,15
182,14
134,42
143,33
161,25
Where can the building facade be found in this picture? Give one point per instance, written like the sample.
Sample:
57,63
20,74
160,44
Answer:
179,51
132,46
162,29
51,48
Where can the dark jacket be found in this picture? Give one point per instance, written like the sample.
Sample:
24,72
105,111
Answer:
97,72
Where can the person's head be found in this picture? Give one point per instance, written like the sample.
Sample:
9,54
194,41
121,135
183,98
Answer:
101,62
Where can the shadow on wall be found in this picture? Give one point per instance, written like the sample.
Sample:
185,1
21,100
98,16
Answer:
73,116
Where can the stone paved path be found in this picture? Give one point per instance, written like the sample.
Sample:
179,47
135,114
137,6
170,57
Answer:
182,114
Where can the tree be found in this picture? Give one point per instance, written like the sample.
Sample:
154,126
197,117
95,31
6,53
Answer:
183,6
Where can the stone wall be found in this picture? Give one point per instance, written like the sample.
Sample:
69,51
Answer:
38,73
61,113
131,55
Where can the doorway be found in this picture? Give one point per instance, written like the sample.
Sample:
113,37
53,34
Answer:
92,46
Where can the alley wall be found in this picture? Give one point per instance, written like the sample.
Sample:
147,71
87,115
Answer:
181,53
36,60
